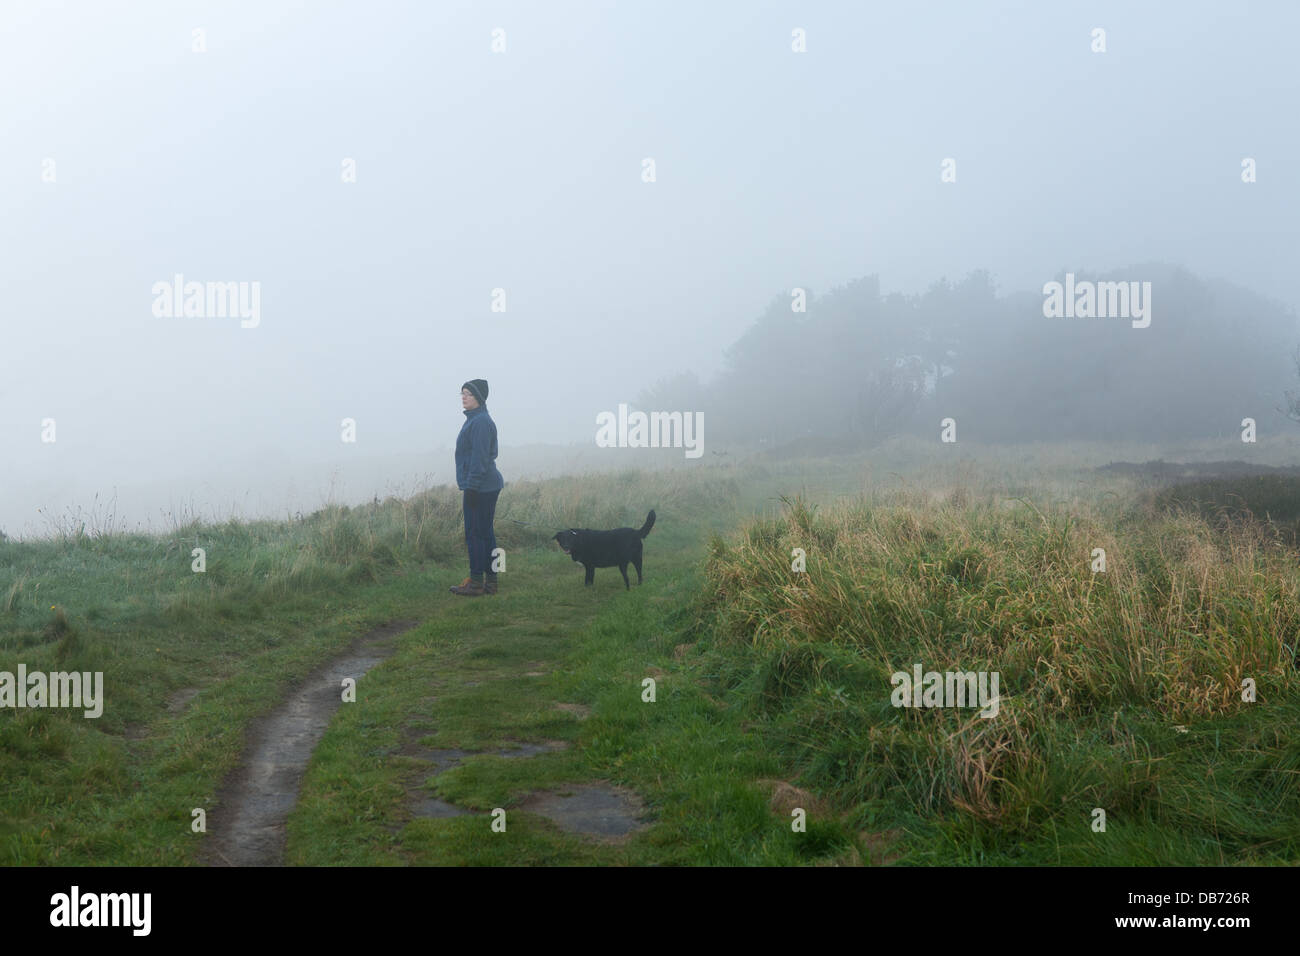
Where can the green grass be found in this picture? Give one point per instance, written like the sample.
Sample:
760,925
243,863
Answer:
1120,689
685,754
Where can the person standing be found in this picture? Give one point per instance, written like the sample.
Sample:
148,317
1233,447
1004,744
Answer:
478,478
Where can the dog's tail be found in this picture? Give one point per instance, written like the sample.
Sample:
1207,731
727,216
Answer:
649,523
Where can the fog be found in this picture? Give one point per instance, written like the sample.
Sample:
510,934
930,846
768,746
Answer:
418,208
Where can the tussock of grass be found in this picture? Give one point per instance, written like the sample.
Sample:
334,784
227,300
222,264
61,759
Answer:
1097,669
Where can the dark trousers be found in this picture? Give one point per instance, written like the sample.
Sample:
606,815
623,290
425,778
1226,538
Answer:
479,537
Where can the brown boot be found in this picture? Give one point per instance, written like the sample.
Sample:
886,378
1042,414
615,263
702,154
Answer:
469,588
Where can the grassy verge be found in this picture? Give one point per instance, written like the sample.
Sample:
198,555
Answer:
491,674
189,659
1120,690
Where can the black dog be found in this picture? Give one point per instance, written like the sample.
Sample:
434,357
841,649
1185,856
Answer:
605,549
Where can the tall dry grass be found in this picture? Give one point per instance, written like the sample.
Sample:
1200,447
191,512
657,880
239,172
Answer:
1099,671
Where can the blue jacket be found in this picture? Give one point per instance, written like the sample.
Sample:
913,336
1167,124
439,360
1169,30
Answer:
476,453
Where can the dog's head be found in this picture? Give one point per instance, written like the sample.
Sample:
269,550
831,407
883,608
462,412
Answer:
567,540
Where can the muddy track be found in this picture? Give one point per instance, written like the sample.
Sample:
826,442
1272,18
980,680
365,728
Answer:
247,827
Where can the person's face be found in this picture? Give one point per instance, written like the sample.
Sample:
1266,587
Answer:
467,399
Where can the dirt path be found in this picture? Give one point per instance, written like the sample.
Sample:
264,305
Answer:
247,826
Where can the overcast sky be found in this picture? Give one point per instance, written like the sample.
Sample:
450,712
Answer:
522,170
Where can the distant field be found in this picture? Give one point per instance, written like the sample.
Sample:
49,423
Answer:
1120,690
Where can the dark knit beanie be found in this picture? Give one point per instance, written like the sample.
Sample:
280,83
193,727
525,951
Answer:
478,388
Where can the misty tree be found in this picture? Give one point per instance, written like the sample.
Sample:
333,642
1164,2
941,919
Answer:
887,401
858,367
1212,348
1292,409
853,368
681,392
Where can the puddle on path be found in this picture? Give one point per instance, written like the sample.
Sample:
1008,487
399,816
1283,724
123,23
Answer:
423,805
247,826
597,810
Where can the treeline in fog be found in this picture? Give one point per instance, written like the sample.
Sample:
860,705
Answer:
856,365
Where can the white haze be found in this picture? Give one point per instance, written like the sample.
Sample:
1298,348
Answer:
522,170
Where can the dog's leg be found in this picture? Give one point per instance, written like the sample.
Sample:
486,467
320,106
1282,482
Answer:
626,583
636,563
591,573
